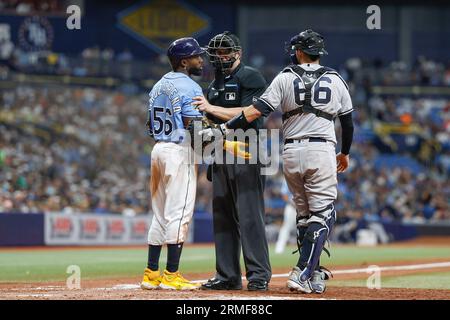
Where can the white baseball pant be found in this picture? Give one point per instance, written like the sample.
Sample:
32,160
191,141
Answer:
173,186
311,174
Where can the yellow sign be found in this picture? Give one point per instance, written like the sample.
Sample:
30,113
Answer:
157,23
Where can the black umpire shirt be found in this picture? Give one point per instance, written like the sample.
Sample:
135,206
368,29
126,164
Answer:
240,87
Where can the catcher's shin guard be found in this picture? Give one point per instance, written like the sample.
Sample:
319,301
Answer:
313,243
302,227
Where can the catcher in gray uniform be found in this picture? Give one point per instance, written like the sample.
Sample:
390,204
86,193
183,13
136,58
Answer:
311,97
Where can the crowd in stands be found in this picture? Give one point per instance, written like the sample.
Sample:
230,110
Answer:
90,62
26,7
70,149
81,149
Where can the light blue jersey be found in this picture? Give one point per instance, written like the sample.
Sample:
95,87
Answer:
171,101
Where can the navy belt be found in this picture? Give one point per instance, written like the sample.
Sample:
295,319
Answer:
310,139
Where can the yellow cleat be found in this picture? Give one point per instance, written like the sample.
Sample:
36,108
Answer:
175,281
151,279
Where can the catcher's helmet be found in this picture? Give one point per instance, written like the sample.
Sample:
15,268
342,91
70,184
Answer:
224,41
310,42
184,48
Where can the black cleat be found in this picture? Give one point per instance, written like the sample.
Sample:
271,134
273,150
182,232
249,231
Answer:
217,284
258,285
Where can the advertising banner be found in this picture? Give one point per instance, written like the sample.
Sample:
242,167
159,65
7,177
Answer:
92,229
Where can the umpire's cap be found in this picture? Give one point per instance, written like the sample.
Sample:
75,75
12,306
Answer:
310,42
184,48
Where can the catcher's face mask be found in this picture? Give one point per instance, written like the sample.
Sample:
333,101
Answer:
223,51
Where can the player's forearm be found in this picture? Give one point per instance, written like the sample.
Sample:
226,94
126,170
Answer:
251,113
225,113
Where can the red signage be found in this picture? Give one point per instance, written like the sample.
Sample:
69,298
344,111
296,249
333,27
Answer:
62,226
139,228
116,228
90,227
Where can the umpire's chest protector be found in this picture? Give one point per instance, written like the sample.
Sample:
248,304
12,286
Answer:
228,97
237,90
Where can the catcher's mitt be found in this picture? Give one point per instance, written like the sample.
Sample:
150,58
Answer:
195,127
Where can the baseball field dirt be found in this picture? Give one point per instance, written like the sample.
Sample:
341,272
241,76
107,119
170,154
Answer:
405,277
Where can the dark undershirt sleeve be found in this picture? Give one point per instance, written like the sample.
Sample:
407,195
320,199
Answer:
347,132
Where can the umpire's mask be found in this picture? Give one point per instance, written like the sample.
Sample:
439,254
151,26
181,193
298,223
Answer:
221,49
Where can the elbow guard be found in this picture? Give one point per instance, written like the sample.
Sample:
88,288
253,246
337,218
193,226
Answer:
263,106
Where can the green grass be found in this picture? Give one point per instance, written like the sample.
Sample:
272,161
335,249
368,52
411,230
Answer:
436,280
369,255
52,265
38,265
359,256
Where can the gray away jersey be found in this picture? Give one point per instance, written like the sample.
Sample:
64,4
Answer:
332,96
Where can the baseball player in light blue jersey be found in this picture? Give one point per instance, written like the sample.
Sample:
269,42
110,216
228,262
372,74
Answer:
173,179
170,106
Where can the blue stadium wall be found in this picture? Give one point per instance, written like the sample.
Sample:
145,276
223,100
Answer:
147,27
406,31
18,229
38,229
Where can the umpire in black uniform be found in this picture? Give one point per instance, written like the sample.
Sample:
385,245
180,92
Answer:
238,189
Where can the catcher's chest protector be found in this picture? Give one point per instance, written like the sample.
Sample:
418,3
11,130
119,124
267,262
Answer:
309,78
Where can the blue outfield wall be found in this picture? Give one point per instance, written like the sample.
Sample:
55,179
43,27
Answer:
401,232
20,229
203,227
